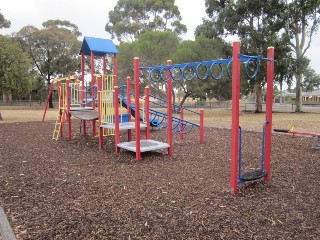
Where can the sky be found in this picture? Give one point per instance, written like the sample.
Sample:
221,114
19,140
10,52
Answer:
91,17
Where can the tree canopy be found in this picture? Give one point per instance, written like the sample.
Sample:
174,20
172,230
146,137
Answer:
54,49
260,24
301,18
4,23
15,68
256,23
203,49
131,18
153,48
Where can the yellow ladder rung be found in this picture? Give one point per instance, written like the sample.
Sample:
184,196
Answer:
57,125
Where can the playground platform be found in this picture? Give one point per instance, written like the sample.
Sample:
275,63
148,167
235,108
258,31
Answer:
145,145
85,114
124,126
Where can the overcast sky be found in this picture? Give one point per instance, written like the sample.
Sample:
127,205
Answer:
91,17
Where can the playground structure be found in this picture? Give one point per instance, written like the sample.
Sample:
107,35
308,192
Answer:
291,131
201,71
103,105
108,99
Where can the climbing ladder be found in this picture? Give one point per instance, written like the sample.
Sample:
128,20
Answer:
58,124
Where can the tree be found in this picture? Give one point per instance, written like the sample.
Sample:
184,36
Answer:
301,23
15,69
311,80
53,49
130,18
4,23
153,48
256,23
202,49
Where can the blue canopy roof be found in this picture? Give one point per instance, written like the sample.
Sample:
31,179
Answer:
98,46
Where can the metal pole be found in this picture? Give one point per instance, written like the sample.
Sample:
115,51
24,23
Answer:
181,120
68,107
268,134
169,110
116,118
128,106
137,106
235,117
99,113
201,125
147,112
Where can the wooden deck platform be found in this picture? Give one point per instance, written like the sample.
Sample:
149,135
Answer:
85,114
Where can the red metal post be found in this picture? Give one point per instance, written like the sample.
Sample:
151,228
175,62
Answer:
61,106
201,125
47,102
116,118
181,120
99,113
92,80
235,117
68,107
128,106
137,106
83,95
269,100
93,92
115,70
169,109
61,96
82,77
147,112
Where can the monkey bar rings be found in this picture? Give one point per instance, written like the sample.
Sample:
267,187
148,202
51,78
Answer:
202,70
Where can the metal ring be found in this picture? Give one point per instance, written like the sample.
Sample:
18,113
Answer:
256,68
228,69
211,71
161,70
183,73
151,75
197,71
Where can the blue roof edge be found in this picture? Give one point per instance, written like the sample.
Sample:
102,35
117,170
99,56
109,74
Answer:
98,46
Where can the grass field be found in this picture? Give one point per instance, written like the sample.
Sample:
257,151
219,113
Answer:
304,122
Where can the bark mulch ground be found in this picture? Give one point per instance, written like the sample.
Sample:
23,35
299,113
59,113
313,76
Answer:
71,190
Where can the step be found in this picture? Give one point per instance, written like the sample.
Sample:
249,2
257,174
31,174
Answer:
123,126
145,145
80,108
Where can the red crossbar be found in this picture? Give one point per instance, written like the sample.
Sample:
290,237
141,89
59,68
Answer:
305,134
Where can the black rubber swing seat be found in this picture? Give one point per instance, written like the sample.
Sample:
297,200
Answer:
251,176
280,130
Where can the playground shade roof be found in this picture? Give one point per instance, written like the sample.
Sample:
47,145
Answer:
98,46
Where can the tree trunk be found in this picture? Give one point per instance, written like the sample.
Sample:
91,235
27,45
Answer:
173,97
281,93
4,97
258,98
298,101
30,99
50,97
0,117
184,99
